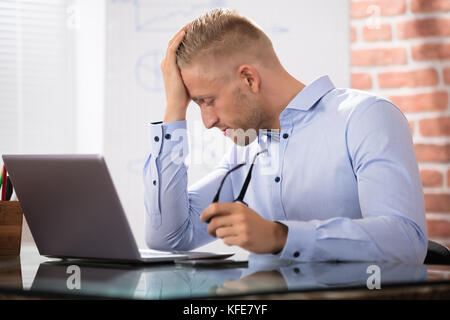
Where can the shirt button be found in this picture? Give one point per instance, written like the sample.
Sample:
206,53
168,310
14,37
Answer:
296,254
154,182
167,136
285,135
156,138
296,270
277,179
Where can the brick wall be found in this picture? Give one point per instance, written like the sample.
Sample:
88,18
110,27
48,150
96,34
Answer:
400,49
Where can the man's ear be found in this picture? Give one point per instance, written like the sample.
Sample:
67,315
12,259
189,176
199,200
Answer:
250,76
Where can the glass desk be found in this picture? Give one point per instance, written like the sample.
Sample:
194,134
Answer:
265,277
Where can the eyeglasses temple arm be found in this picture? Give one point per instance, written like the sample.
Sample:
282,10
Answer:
241,196
216,197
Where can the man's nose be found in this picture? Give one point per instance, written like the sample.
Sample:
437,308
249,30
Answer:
209,118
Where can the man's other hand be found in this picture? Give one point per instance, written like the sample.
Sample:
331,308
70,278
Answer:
237,224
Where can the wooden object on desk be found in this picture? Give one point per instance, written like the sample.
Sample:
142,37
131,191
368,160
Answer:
11,216
10,273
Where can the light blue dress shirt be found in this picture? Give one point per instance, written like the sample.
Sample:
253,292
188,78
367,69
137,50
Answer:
341,174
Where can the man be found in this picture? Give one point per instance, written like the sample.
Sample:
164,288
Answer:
345,185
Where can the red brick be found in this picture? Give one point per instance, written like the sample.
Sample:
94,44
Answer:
378,57
446,75
429,27
434,101
353,34
438,228
431,178
429,5
361,9
435,127
377,34
432,152
439,203
361,81
448,178
416,78
431,51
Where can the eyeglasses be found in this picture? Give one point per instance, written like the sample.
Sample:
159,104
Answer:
240,197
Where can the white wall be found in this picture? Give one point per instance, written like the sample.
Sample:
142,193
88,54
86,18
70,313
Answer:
87,19
36,79
311,38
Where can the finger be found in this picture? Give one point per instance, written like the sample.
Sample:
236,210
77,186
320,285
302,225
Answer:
231,240
219,222
215,209
180,33
172,48
235,284
224,291
176,35
225,232
173,44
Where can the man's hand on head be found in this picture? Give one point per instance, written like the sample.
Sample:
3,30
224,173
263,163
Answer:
177,97
237,224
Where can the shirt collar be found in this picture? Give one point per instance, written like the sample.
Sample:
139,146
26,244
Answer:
310,94
304,100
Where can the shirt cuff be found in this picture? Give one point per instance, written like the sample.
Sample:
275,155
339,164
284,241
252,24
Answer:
164,136
296,278
300,242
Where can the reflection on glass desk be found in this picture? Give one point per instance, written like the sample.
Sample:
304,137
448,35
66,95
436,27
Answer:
265,275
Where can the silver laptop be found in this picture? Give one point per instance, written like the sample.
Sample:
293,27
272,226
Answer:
73,210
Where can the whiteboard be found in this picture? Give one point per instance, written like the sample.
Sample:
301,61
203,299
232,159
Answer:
311,39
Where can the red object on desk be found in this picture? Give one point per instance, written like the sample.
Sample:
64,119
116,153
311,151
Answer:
4,184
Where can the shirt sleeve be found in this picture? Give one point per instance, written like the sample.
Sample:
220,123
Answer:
332,275
172,210
393,226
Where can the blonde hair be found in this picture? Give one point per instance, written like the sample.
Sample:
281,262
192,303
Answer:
224,33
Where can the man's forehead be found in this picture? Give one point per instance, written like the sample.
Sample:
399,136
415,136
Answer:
200,83
200,73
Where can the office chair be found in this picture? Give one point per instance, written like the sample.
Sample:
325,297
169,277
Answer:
437,254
